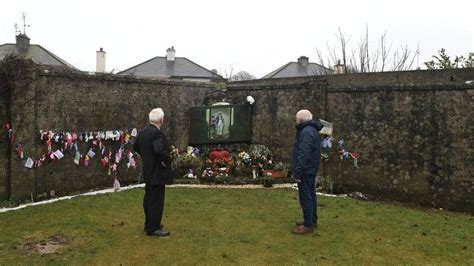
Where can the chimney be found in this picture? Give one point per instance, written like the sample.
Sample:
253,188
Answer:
303,61
170,54
339,68
22,43
100,61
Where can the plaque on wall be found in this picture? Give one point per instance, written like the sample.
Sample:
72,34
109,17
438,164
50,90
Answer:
220,124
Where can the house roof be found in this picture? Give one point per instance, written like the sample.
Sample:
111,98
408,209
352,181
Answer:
37,53
179,67
294,69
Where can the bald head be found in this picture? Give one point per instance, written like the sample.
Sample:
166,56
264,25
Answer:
303,116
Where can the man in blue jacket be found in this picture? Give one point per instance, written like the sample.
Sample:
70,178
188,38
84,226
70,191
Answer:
306,159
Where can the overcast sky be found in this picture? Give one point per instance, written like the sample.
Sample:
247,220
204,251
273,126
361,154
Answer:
256,36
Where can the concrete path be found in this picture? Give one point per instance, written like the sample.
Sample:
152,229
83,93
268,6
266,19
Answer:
111,190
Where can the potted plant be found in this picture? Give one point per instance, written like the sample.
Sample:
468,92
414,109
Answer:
279,170
267,180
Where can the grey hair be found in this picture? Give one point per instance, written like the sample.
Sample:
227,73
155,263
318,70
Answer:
156,115
304,115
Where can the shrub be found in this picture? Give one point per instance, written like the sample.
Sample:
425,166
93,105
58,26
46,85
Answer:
184,162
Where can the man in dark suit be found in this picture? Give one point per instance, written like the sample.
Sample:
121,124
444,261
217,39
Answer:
154,149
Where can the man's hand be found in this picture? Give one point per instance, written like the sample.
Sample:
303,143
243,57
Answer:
297,179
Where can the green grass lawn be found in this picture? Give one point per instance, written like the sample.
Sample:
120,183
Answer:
244,226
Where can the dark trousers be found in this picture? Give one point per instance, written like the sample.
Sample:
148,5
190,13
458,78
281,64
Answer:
308,201
153,203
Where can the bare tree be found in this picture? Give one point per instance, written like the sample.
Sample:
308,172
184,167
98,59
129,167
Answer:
403,59
360,58
343,39
327,66
384,51
226,73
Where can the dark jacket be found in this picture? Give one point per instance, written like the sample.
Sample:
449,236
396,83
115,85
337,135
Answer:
306,150
154,149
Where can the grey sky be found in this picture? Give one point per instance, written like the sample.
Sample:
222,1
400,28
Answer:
256,36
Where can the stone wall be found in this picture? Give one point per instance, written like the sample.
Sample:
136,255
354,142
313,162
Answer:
77,102
413,129
416,143
4,156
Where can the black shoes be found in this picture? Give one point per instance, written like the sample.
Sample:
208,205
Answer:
158,232
161,227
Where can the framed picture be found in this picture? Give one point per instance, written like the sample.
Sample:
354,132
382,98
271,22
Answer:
220,124
220,120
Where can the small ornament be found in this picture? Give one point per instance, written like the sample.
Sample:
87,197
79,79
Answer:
116,184
108,135
19,151
86,161
40,161
29,163
190,173
250,100
58,154
327,142
74,136
118,155
56,137
50,134
341,144
49,145
324,156
354,155
91,153
116,135
113,169
131,160
77,157
355,162
43,135
104,161
345,155
127,138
